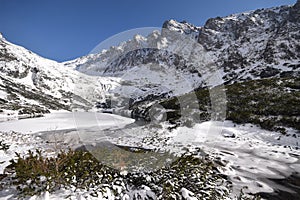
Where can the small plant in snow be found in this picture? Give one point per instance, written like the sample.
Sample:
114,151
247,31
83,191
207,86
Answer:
3,146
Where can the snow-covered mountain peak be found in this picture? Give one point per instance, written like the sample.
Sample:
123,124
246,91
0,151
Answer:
179,26
139,38
182,27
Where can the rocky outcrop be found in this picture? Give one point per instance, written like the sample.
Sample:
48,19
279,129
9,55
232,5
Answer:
295,12
247,44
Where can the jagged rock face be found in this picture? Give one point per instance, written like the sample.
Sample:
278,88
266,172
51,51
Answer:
148,56
258,44
295,12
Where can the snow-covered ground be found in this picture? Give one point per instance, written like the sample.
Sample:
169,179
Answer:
250,156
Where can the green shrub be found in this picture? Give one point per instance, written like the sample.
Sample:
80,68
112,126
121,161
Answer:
36,173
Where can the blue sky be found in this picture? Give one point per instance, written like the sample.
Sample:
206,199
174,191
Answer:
66,29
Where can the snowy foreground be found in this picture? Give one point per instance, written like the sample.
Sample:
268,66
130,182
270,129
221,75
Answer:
250,156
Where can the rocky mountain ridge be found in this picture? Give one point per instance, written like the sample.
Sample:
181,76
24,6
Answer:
250,45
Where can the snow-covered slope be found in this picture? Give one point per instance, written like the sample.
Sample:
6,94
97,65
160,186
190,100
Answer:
31,85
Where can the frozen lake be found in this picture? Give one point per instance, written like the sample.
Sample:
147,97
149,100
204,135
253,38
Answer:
65,120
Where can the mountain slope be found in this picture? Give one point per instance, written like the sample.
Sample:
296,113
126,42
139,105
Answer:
273,104
31,85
